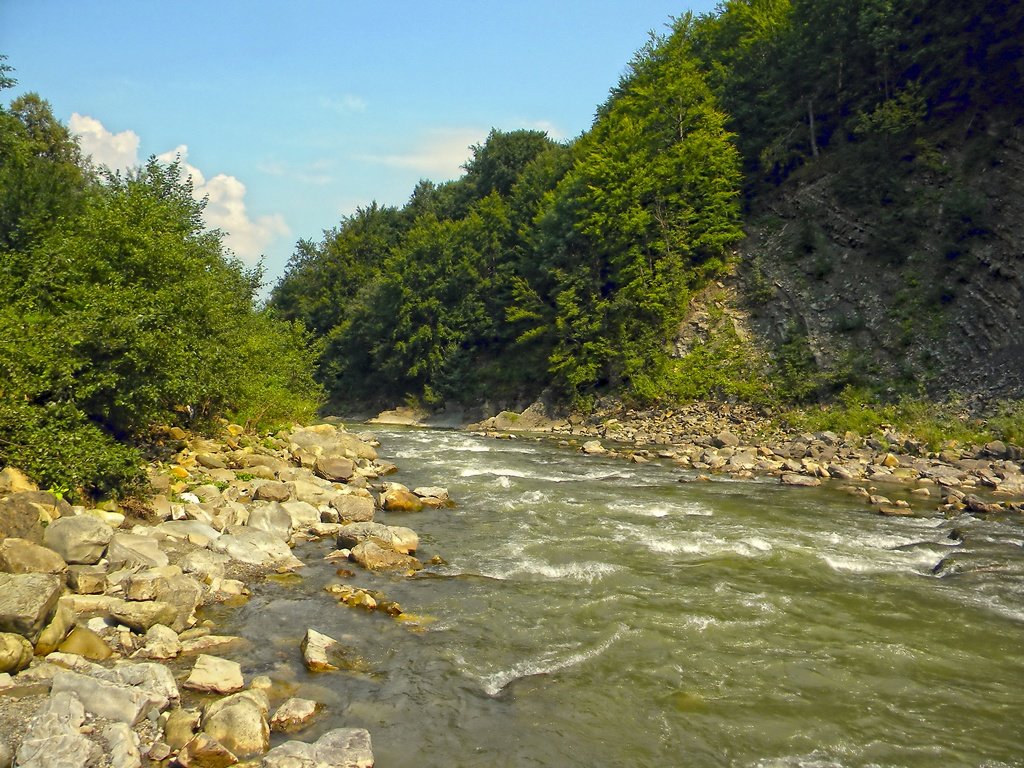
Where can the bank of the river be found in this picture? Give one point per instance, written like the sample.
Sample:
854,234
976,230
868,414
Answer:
105,657
736,440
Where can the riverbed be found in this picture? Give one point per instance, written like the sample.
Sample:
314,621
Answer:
594,612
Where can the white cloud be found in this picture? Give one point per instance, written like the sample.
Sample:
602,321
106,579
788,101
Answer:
226,210
117,151
315,173
441,154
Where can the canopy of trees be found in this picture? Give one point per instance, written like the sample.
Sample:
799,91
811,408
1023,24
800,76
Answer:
567,266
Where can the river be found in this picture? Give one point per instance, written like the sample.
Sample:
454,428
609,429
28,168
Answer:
599,613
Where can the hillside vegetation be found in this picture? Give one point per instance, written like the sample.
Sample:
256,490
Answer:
831,186
121,312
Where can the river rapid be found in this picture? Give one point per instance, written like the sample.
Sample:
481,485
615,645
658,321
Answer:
599,613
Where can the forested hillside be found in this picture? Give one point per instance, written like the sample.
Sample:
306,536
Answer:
828,174
120,312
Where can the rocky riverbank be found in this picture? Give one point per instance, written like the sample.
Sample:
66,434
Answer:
734,440
105,659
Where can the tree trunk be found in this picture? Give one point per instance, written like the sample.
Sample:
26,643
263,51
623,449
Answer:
810,123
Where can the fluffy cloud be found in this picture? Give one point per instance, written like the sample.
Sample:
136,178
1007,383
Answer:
117,151
440,155
225,210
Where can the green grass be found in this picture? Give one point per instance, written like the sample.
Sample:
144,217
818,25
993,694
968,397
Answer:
931,423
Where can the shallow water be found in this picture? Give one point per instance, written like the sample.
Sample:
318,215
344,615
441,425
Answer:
594,612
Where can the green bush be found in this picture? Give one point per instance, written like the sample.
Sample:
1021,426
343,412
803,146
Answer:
122,313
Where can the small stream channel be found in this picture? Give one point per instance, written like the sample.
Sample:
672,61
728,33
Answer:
598,613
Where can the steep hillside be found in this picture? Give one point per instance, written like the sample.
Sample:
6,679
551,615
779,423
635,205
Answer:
909,273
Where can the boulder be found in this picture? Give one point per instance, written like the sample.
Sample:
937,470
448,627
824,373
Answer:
374,557
211,461
311,493
340,748
161,643
400,500
52,737
204,752
56,631
15,652
87,579
82,641
169,585
397,538
272,490
15,481
594,448
78,539
28,602
293,715
256,548
337,469
791,478
725,440
431,492
239,723
181,727
302,514
134,550
271,517
211,674
122,746
23,514
205,565
353,509
110,696
316,651
24,556
140,616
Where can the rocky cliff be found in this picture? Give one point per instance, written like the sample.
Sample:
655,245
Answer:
901,268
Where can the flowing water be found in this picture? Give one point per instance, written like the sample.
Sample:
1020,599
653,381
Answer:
598,613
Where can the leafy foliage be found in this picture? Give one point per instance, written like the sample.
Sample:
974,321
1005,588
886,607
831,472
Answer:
122,311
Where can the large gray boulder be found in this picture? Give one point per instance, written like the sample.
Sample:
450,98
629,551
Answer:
52,738
28,602
393,537
337,469
256,548
24,556
354,509
124,694
79,539
271,517
134,550
374,557
22,514
340,748
212,674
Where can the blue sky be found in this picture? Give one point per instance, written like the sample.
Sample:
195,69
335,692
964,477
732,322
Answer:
289,115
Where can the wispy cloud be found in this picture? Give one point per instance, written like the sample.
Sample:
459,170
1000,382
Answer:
316,173
440,154
116,151
346,103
